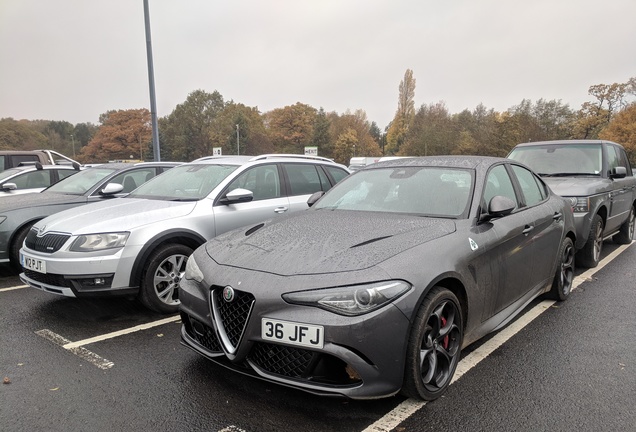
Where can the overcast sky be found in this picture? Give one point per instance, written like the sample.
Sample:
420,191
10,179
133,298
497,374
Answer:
75,59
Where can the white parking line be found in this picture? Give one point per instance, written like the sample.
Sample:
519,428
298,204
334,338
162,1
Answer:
13,288
78,349
410,406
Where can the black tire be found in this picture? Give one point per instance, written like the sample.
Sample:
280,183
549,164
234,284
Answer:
434,346
626,234
590,255
564,276
16,245
164,269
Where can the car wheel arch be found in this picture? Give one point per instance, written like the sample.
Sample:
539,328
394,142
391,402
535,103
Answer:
452,283
177,236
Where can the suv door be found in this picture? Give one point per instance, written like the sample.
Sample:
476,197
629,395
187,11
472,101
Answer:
302,180
622,188
264,181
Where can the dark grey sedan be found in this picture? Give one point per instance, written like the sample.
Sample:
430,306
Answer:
380,284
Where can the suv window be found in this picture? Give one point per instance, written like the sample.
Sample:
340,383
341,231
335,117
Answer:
337,173
533,190
303,179
262,180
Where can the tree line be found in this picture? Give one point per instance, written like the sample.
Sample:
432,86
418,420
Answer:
205,121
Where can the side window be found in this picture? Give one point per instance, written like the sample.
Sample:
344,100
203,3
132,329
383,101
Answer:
33,179
533,190
337,173
498,183
64,173
623,160
130,180
613,159
18,159
303,179
263,181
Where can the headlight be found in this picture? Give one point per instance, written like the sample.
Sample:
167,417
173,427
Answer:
192,271
579,204
95,242
350,300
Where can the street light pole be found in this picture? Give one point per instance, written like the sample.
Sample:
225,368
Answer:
238,147
73,142
151,81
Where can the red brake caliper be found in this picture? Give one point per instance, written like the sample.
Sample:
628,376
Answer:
446,338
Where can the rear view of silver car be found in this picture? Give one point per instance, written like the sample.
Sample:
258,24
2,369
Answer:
139,245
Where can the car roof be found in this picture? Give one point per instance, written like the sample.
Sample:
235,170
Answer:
243,160
471,162
124,165
567,142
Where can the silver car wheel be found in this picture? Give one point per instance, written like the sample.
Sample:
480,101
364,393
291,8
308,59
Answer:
168,277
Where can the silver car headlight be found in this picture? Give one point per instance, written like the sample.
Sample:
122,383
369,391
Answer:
192,270
350,300
101,241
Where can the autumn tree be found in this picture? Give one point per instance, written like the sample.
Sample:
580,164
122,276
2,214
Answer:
622,129
351,132
124,134
432,132
396,135
186,133
291,128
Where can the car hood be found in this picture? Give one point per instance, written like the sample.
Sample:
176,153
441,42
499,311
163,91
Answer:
576,186
324,241
31,200
119,214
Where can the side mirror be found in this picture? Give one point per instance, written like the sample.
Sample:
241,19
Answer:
314,197
499,206
111,189
237,196
9,186
618,172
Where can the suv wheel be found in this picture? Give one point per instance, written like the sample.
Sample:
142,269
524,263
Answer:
590,255
626,234
162,275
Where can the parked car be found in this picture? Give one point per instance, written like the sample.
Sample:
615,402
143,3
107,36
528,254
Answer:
597,178
19,213
139,245
14,158
33,178
380,284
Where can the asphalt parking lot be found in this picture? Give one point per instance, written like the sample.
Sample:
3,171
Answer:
110,364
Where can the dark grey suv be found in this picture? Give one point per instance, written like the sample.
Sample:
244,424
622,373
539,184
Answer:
597,178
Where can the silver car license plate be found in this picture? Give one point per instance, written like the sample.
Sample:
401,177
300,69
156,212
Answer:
31,263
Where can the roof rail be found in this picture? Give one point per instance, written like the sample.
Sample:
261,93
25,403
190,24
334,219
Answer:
292,156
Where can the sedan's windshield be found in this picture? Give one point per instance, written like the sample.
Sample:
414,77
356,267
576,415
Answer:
427,191
184,183
555,159
81,182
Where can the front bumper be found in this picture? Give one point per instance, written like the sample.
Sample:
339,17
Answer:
362,356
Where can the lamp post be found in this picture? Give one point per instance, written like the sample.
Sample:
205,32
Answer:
73,143
238,151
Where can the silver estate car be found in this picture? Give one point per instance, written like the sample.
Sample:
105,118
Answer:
138,245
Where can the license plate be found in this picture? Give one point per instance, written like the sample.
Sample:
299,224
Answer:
34,264
311,336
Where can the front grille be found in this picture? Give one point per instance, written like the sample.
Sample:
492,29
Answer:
48,279
48,243
282,360
203,334
234,314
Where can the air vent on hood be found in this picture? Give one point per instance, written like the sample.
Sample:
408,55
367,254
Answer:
254,229
370,241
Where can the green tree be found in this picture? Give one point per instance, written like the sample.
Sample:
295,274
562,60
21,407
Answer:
252,136
19,135
321,137
398,129
124,134
186,133
432,132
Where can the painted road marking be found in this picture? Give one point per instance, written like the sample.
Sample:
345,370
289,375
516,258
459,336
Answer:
13,288
78,349
410,406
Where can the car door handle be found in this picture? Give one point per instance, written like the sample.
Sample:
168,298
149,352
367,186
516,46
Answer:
527,229
557,216
280,210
